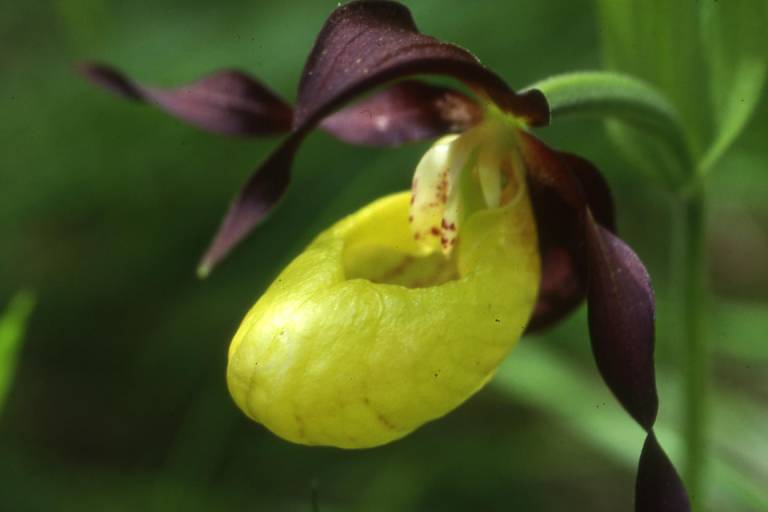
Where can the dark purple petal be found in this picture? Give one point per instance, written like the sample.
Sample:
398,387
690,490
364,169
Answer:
658,487
621,315
404,112
226,102
595,189
560,184
548,168
111,79
366,44
576,180
256,199
563,270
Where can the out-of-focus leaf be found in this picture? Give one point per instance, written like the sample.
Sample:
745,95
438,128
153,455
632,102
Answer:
741,330
84,24
649,155
709,57
735,37
659,41
542,378
13,322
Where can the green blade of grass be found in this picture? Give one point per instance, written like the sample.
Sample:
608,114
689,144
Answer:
13,322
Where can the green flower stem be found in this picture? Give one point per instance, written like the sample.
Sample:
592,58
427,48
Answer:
690,269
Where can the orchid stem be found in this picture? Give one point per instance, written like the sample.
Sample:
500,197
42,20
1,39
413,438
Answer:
690,271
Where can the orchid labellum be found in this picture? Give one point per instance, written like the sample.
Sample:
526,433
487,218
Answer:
398,313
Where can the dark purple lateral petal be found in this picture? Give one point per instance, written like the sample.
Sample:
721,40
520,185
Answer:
109,78
549,168
226,102
256,199
563,270
560,183
404,112
658,487
365,44
595,188
621,321
580,254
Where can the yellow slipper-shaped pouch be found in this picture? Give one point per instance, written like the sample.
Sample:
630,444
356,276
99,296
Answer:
363,337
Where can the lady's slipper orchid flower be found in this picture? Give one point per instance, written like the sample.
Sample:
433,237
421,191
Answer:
400,312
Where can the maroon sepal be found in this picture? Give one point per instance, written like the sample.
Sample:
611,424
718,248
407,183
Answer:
256,199
226,102
621,315
575,219
365,44
563,269
362,46
561,185
658,487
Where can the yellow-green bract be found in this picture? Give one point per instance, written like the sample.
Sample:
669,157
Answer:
367,335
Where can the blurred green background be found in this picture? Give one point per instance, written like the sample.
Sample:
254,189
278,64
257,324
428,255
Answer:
119,399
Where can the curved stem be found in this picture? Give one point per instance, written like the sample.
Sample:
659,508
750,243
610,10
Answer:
606,94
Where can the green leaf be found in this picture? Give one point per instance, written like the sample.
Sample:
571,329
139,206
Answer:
744,325
735,35
659,41
13,322
545,379
709,57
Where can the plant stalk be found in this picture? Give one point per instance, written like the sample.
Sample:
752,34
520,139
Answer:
691,274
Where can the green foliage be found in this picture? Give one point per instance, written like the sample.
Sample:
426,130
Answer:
550,381
658,41
735,37
708,57
13,322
